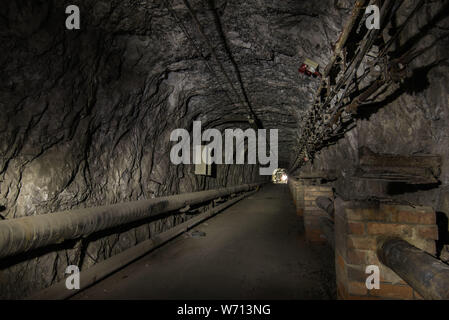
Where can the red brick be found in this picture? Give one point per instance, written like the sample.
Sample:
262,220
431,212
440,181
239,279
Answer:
367,243
428,232
314,195
357,288
428,218
312,188
342,293
406,217
391,208
374,214
357,228
356,273
414,217
354,214
393,229
366,214
393,291
340,262
341,275
357,257
314,236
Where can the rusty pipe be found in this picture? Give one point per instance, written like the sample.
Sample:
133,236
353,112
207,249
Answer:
423,272
326,204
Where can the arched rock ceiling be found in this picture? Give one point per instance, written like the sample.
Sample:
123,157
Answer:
132,71
261,41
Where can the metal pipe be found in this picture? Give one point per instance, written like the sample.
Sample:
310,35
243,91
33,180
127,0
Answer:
101,270
356,13
27,233
326,204
423,272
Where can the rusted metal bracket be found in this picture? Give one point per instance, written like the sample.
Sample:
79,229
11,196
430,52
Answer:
415,169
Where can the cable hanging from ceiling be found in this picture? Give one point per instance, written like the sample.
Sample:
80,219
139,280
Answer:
251,118
318,128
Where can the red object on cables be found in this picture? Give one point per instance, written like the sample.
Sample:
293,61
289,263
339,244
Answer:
304,69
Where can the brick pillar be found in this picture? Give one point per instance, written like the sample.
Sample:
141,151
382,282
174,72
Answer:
358,227
291,186
299,196
313,214
297,192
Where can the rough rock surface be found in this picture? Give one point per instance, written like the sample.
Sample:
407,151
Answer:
414,120
86,115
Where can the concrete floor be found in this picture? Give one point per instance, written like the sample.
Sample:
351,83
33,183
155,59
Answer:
253,250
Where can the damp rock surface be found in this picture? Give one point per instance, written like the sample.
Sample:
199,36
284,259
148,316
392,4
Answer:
86,115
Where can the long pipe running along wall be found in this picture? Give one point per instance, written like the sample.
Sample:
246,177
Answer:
424,273
27,233
101,270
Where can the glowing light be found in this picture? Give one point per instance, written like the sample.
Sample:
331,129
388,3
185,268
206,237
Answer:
280,176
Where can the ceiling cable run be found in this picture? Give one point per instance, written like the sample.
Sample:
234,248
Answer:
198,50
251,116
341,91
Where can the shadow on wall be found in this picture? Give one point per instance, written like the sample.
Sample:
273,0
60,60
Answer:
2,208
418,81
443,236
398,188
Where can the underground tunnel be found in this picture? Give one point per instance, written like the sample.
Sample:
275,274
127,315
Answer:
224,150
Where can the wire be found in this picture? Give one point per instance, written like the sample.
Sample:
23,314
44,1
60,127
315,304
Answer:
198,50
251,115
390,10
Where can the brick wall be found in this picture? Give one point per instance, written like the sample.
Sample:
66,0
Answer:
297,192
313,214
304,195
358,228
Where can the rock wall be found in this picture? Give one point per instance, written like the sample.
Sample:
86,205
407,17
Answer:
414,120
85,121
86,115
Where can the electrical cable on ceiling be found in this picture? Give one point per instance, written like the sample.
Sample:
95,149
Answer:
389,9
251,117
197,49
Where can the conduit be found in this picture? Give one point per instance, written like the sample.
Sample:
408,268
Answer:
101,270
423,272
251,116
27,233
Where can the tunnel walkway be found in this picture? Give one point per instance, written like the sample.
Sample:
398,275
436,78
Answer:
253,250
